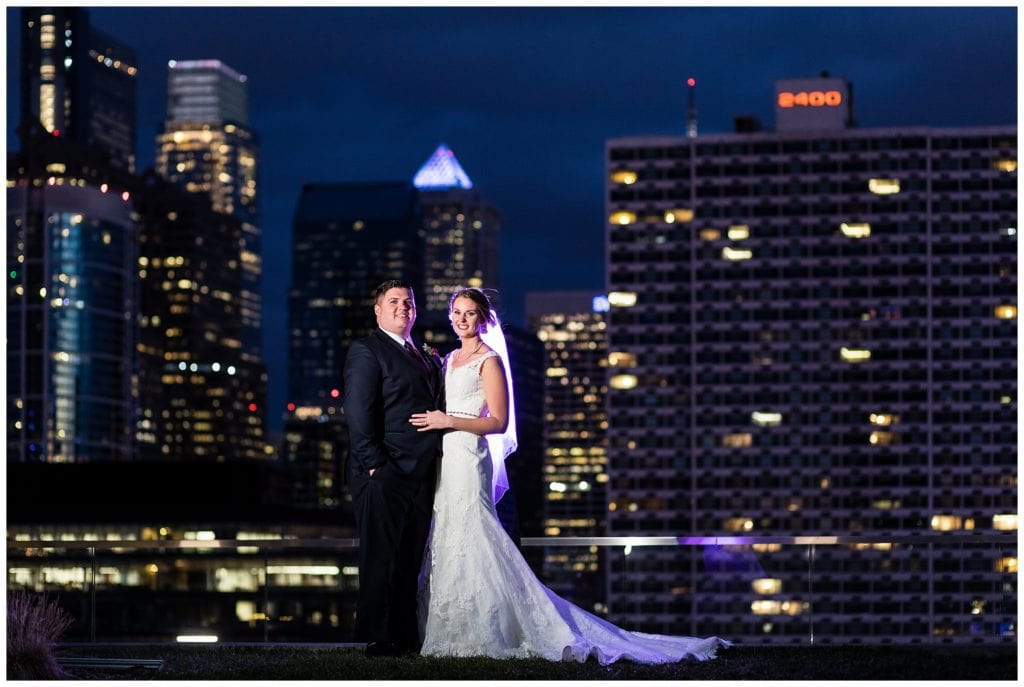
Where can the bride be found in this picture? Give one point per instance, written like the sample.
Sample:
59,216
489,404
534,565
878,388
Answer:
478,595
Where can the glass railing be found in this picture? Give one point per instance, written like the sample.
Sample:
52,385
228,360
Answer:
950,588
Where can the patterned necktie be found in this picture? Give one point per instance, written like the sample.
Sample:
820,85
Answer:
419,359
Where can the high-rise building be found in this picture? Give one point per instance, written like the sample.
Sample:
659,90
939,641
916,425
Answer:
461,235
813,331
346,239
207,147
71,303
572,326
199,396
77,82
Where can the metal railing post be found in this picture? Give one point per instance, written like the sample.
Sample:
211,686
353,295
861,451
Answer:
266,596
810,590
92,596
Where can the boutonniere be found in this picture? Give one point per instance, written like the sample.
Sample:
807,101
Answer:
432,352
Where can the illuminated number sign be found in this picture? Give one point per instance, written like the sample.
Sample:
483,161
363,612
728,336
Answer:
789,99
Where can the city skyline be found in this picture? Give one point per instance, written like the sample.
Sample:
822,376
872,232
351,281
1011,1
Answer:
527,97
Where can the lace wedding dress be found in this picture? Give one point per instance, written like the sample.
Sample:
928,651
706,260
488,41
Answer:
479,597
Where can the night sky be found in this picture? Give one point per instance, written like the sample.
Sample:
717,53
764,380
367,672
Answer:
526,98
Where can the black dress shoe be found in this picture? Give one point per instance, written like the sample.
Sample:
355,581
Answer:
382,649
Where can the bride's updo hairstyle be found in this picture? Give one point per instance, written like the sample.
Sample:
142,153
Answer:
480,299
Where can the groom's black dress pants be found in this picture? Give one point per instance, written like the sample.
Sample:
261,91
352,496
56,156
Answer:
393,512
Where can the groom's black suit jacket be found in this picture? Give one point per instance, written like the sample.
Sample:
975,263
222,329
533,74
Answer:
384,386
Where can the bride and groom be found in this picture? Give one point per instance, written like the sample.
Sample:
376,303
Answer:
437,572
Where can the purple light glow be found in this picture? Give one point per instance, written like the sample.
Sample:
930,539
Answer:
442,170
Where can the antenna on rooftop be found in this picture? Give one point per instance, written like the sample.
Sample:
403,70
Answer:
691,108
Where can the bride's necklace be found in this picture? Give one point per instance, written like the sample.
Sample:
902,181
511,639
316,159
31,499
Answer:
463,357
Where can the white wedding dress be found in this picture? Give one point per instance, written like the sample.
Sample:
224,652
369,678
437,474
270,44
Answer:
479,597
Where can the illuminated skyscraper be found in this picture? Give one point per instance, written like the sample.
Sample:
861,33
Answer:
71,303
78,82
572,326
813,331
461,233
207,147
200,397
346,239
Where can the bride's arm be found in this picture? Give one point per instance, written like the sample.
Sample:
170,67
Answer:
495,399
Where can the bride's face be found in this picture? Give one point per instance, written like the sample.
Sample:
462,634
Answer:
465,317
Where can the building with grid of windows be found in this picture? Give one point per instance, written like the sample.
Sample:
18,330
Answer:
207,147
813,331
78,83
461,244
572,327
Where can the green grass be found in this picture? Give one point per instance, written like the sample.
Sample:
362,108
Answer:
738,663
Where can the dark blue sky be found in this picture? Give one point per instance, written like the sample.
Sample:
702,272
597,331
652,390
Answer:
526,97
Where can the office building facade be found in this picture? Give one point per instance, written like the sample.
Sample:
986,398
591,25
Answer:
78,82
572,327
207,147
813,332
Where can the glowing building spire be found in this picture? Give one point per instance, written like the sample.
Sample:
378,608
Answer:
442,170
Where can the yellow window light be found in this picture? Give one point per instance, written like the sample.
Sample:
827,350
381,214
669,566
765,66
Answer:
854,355
622,299
622,217
884,419
710,234
1004,521
624,176
884,187
945,522
1005,165
765,607
737,440
882,438
739,232
621,359
1006,311
765,419
678,215
738,525
557,372
1007,564
736,253
623,381
855,230
767,585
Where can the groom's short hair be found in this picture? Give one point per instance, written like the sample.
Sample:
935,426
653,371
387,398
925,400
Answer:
386,286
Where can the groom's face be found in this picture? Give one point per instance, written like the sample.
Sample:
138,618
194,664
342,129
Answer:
396,311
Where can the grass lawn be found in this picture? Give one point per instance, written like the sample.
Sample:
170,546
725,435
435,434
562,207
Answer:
285,662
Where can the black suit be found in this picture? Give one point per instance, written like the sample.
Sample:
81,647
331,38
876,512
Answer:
384,386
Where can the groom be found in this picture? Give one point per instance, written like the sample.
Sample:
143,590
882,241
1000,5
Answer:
391,468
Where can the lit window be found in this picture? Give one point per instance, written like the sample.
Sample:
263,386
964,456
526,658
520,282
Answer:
765,607
767,585
739,232
1006,312
885,504
736,253
622,217
710,234
854,355
1007,564
1004,521
737,440
624,176
766,419
678,215
557,372
622,299
620,359
880,438
945,523
557,486
855,230
884,419
1005,165
738,525
884,187
623,381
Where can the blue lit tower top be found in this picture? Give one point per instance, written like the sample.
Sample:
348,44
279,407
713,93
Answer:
441,171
